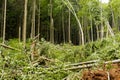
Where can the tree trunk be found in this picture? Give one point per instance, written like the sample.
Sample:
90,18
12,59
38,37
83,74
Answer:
4,26
25,23
78,21
33,20
113,19
19,33
39,20
79,36
118,23
91,29
1,28
69,36
109,28
97,31
102,28
63,27
51,23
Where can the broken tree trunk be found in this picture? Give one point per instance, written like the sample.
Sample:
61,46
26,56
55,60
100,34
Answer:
89,64
9,47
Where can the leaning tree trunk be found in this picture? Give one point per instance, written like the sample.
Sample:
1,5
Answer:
51,23
109,28
70,7
4,26
25,23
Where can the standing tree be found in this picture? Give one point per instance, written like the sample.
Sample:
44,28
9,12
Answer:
102,28
4,29
69,36
33,20
38,19
51,23
63,26
25,23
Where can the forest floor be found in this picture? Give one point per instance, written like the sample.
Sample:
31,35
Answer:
50,60
103,74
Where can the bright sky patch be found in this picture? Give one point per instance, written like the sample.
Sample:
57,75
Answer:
104,1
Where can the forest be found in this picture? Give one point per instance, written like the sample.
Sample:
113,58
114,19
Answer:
59,40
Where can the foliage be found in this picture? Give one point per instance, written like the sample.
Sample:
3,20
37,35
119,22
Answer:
17,65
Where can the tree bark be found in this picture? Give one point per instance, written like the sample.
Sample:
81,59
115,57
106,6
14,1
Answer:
4,26
109,28
25,23
1,28
51,23
69,36
91,28
63,27
97,31
33,20
39,20
113,19
19,33
102,28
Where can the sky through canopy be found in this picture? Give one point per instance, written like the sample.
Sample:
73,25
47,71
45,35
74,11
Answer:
104,1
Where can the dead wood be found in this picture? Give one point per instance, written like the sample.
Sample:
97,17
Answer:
89,64
9,47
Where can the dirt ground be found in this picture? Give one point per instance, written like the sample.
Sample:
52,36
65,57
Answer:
103,74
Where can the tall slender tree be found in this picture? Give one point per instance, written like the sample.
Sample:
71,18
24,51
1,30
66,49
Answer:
2,13
33,20
69,36
19,33
38,19
25,23
51,22
101,15
4,26
63,26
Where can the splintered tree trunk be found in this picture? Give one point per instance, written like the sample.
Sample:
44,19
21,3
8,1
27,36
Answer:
109,28
4,26
25,23
51,23
69,36
33,20
63,27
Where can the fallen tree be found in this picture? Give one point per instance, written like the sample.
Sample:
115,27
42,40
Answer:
9,47
89,64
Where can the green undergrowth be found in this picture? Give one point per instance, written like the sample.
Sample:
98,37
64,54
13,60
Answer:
17,64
